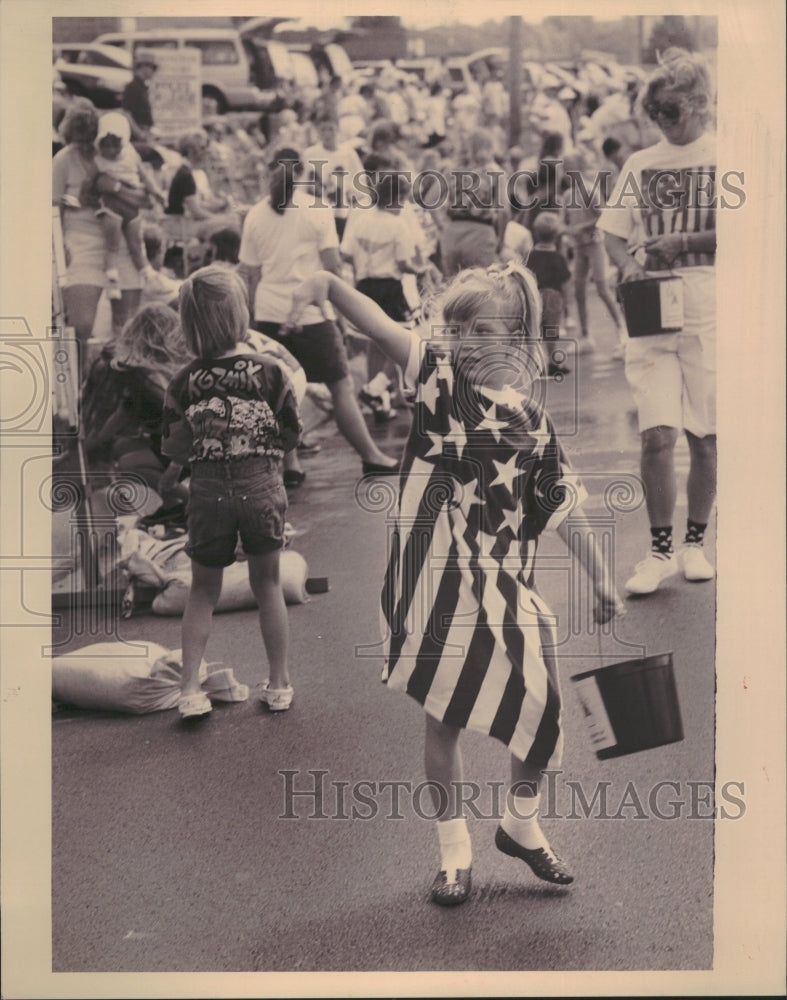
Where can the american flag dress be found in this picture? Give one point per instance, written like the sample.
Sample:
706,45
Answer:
465,632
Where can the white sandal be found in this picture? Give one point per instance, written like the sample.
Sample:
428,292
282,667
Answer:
193,706
277,699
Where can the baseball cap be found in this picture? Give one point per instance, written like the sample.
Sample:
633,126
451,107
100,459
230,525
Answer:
144,57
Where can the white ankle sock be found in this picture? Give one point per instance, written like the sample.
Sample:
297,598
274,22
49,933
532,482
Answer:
455,849
520,821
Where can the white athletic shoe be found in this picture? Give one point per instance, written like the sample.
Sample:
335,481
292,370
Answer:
585,345
650,572
695,566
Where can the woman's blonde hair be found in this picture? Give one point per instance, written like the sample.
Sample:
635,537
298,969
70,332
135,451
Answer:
153,340
193,141
80,123
681,73
508,292
214,311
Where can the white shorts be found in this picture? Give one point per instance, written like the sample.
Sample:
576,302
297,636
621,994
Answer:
673,375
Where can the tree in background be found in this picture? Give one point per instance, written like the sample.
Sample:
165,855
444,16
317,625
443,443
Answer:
667,31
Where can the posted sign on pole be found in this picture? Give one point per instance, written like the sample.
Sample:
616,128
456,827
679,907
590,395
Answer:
176,91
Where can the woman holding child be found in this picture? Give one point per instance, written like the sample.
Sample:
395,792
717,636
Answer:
73,173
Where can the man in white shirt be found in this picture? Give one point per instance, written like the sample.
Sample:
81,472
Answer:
334,167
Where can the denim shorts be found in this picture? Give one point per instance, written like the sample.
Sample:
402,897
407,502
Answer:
243,498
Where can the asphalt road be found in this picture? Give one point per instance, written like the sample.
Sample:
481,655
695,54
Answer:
172,852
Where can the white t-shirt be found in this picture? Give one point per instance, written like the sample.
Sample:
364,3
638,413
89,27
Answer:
323,163
517,240
125,168
665,189
549,115
287,248
376,240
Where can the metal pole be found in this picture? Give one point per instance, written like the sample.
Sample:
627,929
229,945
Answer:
515,81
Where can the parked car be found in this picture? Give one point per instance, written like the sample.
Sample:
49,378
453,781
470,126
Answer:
240,71
307,82
427,70
329,60
98,72
371,67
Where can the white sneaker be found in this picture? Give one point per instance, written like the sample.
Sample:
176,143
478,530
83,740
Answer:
695,566
586,345
650,572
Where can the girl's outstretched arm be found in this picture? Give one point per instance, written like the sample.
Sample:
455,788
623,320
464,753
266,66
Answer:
364,314
608,604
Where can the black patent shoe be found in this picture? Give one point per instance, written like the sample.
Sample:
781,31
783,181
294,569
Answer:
544,864
375,469
447,893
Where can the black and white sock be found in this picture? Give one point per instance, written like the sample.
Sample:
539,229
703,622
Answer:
661,541
695,533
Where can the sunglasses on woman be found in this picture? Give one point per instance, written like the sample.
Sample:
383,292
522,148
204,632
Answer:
670,111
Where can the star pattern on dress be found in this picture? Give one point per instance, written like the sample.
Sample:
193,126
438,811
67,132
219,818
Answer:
457,435
437,444
445,373
509,396
429,392
542,436
511,519
470,496
491,423
507,472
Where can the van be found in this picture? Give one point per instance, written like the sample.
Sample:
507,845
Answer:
239,72
307,82
330,60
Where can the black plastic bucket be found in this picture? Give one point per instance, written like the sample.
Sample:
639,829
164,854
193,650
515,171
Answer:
652,305
630,706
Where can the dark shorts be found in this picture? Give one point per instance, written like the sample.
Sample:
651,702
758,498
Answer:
243,498
318,348
389,296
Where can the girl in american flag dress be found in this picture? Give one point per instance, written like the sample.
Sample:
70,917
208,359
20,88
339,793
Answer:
483,474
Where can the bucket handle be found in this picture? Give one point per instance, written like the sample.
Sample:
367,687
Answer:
643,246
602,657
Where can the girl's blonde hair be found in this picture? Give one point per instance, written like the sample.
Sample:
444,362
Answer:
153,340
508,292
214,311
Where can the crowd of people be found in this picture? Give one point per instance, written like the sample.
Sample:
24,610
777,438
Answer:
240,263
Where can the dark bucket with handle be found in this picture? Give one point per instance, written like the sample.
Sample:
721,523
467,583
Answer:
630,706
652,305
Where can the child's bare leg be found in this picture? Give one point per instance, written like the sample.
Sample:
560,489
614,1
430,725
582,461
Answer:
112,230
580,289
598,265
132,230
274,623
519,834
443,766
292,462
197,619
